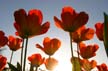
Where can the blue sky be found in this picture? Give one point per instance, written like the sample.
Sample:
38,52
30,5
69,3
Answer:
51,8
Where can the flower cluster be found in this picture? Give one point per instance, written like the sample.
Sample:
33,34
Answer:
30,25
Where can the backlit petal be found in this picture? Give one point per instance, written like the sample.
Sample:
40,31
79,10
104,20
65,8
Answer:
99,30
35,12
81,19
58,23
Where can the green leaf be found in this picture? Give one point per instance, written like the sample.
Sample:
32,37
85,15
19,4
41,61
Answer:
31,67
18,66
76,64
12,67
106,32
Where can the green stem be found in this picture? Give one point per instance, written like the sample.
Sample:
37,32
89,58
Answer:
72,51
11,57
71,44
78,55
25,55
22,49
78,50
36,68
31,67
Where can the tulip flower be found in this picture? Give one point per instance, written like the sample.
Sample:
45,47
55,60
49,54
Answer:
70,19
3,39
50,46
88,51
3,61
99,30
102,32
14,43
83,34
29,25
36,60
51,63
102,67
88,65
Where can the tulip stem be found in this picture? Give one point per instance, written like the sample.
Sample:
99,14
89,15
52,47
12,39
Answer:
71,44
36,68
31,67
78,54
74,69
11,57
22,49
25,55
78,50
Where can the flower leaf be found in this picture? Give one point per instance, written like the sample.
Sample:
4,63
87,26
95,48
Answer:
106,32
12,67
18,66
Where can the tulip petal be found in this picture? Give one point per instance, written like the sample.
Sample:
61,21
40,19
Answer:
3,39
38,13
20,18
40,47
80,20
3,61
99,30
2,33
88,51
44,27
58,23
87,34
68,9
36,59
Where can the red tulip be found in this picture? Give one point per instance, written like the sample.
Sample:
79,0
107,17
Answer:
14,43
36,60
30,25
70,20
88,65
2,62
88,51
102,67
82,34
3,39
50,46
99,30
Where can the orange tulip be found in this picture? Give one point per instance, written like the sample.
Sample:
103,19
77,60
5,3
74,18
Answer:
102,67
70,20
99,30
82,34
3,39
36,60
88,65
2,62
51,63
30,25
50,45
88,51
14,43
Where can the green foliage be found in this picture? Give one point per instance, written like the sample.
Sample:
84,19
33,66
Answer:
18,66
13,68
106,32
76,64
